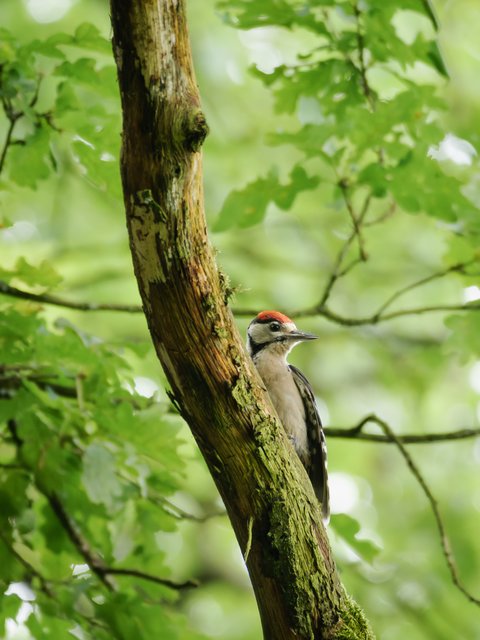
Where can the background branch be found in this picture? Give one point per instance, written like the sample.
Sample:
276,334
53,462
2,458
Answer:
165,582
45,298
455,268
356,433
444,540
323,311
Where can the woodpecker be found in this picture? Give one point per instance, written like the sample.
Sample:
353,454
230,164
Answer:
270,338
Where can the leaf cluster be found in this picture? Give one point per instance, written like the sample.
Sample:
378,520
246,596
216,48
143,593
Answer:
86,466
60,100
374,108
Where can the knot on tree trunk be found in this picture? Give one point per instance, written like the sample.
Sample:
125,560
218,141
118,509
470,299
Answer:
195,130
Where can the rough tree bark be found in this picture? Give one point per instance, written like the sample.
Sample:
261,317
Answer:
266,492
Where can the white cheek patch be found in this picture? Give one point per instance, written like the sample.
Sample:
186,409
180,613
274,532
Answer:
261,332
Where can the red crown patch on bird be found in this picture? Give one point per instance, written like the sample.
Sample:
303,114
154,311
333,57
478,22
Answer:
267,316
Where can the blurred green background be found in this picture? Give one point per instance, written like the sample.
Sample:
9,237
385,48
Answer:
420,373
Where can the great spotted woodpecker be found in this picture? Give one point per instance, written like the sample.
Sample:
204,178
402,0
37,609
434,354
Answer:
270,337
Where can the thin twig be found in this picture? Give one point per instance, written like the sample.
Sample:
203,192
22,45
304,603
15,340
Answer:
356,433
135,573
95,563
430,13
248,546
367,91
343,184
382,217
180,514
8,139
374,319
420,311
79,542
44,583
444,540
459,268
337,271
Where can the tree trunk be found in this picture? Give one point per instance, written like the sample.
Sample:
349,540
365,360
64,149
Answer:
265,489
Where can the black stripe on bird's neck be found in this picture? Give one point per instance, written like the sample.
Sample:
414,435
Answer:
256,347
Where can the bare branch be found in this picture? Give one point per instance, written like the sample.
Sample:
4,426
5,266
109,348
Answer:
44,583
458,268
382,217
12,121
356,433
180,514
356,222
317,310
134,573
375,319
444,540
367,91
337,271
80,543
45,298
95,563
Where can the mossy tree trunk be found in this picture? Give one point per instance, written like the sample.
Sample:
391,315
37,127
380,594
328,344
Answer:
268,497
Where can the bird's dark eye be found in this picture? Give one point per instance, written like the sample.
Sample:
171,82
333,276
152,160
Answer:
274,326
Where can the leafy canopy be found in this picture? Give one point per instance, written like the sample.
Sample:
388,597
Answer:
88,466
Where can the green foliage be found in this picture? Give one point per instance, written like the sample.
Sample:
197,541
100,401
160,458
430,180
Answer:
43,275
353,103
347,529
367,135
248,207
67,415
50,97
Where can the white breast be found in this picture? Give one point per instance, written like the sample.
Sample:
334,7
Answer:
285,397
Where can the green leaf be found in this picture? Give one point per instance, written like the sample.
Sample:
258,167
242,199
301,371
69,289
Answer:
310,139
419,184
348,528
248,207
13,493
86,71
88,36
47,47
31,162
45,626
374,176
465,333
99,476
43,275
9,608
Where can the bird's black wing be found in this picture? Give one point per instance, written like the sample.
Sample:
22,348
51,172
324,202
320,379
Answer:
317,468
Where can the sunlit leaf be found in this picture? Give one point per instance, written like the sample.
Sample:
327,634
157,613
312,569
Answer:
348,528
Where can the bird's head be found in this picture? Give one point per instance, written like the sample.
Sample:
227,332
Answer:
274,331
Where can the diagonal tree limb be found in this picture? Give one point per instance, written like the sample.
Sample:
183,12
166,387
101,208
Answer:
214,382
444,540
94,561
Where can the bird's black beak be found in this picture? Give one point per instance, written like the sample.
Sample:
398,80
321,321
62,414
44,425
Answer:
301,335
